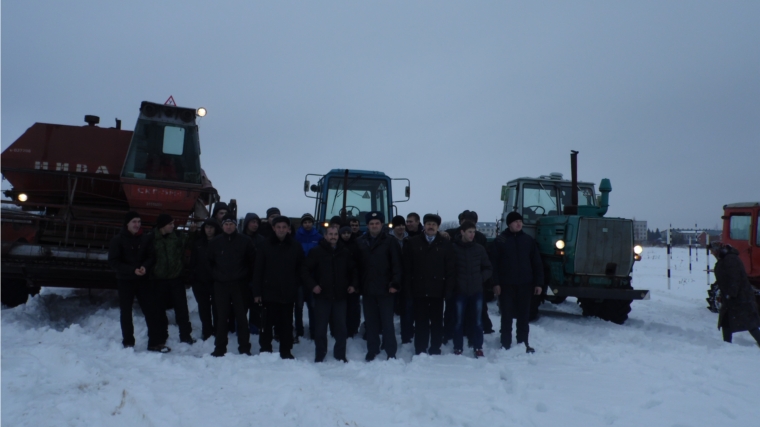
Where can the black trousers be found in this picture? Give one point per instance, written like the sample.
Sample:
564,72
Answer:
333,313
515,304
428,325
279,316
449,318
204,296
173,289
232,294
353,314
378,316
143,291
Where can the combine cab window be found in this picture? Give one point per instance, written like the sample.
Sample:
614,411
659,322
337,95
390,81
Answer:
538,201
740,227
164,152
363,196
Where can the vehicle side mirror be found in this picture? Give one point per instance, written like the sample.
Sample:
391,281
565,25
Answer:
408,191
306,186
315,188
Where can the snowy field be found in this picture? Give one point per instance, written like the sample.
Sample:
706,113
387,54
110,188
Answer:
63,365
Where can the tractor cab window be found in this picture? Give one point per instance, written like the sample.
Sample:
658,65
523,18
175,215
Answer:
740,227
363,196
585,196
164,152
538,200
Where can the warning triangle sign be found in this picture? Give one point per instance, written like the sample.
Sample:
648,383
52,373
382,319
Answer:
170,101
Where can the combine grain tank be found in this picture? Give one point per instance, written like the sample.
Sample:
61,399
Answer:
71,186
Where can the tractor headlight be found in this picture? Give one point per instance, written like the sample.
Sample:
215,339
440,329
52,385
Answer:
201,112
638,249
560,244
22,197
327,224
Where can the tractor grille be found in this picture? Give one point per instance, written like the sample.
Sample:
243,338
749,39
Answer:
604,244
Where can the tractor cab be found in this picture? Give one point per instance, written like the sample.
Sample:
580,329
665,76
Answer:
351,194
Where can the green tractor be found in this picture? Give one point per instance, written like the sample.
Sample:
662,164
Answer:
585,255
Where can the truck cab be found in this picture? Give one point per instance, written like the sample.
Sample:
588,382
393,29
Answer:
741,229
351,193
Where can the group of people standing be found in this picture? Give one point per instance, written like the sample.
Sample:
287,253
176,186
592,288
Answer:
264,274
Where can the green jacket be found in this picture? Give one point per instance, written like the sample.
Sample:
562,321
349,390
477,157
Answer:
165,254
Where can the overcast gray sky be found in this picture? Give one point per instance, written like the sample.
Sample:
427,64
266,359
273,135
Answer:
661,97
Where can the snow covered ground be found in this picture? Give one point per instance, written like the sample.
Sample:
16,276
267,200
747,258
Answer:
63,365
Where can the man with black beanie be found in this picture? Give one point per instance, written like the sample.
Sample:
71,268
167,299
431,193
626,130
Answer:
404,305
277,275
265,228
126,258
430,276
203,276
518,275
231,256
353,302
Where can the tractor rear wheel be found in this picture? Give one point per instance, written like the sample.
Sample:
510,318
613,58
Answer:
14,292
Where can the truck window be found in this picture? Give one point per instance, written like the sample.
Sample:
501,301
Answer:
539,201
363,196
739,227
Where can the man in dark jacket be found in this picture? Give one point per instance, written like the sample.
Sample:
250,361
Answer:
413,226
251,226
265,229
473,270
738,311
380,279
220,210
518,275
231,256
331,278
277,275
203,276
430,276
404,304
353,302
125,256
165,260
308,237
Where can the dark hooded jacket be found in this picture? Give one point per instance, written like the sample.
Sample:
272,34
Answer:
381,266
739,306
257,237
334,270
429,268
279,270
199,260
126,254
516,261
473,267
231,257
219,206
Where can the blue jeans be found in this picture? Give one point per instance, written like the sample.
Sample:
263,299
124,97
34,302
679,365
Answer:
472,307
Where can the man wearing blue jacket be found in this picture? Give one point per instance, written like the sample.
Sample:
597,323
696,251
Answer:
309,238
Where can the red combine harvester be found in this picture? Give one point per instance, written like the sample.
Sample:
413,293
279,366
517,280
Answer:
72,185
741,229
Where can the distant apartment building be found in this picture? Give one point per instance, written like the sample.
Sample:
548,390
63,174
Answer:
639,231
487,228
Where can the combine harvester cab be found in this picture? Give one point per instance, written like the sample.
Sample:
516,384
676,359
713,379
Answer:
585,254
72,185
367,191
